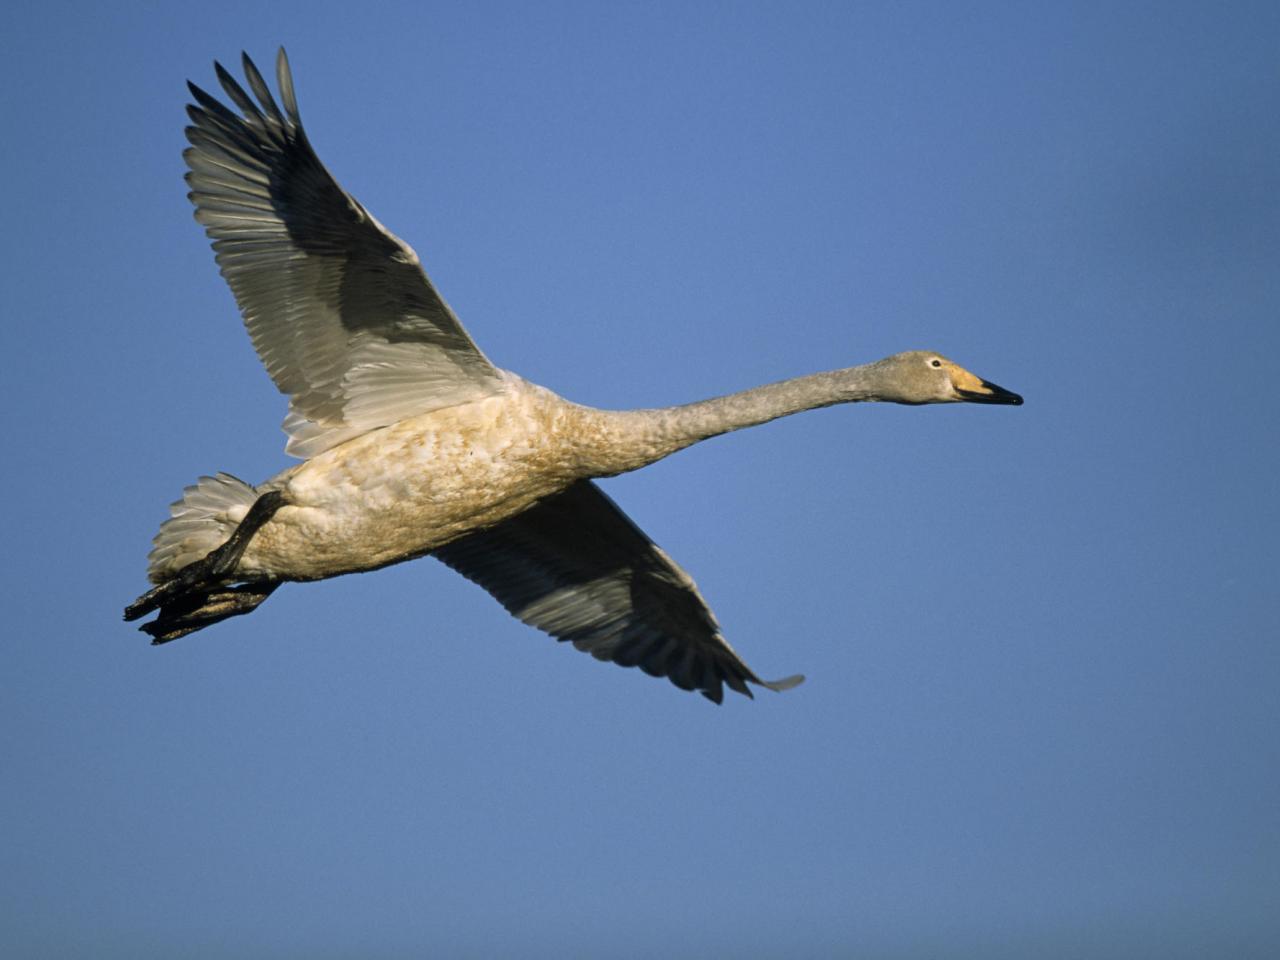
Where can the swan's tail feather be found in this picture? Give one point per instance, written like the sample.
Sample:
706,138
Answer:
208,513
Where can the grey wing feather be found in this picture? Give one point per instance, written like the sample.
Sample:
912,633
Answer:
575,566
339,309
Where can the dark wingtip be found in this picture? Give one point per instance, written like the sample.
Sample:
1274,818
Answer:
786,683
284,80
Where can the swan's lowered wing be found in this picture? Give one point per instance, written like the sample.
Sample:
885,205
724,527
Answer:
339,309
575,566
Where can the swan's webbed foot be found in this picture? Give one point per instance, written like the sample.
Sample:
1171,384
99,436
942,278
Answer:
187,583
197,595
196,611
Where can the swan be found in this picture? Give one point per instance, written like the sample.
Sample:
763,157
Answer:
412,443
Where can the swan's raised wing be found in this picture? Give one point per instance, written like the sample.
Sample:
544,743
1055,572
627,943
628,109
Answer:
339,309
575,566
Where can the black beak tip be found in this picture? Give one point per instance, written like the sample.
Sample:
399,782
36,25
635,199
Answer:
995,394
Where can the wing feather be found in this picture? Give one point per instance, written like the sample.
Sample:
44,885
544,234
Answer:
576,567
338,308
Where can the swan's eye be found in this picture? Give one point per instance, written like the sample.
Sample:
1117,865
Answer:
936,363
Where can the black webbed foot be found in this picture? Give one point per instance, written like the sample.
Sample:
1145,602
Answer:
198,594
189,582
192,613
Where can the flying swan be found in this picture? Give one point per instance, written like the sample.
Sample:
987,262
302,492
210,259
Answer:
413,443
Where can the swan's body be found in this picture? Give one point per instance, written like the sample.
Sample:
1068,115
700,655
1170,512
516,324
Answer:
416,444
403,490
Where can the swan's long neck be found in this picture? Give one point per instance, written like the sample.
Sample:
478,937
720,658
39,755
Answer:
629,439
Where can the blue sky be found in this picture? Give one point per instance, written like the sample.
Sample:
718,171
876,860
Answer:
1042,705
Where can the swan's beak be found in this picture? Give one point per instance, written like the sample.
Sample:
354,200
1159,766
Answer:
973,389
988,392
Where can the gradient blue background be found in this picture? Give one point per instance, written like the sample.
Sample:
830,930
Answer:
1042,710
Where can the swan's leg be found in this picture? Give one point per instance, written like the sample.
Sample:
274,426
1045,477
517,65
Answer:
191,613
199,579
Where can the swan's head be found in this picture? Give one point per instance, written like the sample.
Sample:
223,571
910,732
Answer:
922,376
